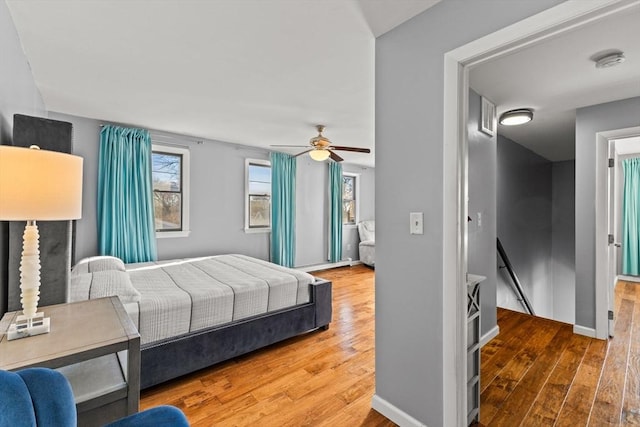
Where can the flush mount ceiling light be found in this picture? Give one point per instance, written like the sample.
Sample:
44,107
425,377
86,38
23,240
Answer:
609,60
516,117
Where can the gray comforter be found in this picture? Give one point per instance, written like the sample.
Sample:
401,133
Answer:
181,296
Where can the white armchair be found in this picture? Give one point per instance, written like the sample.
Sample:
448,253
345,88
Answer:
367,246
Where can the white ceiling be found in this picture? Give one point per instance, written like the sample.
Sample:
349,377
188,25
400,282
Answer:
262,72
557,76
252,72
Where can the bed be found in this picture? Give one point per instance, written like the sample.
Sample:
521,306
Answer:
196,312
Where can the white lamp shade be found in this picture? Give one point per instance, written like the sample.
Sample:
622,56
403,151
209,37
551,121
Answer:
39,185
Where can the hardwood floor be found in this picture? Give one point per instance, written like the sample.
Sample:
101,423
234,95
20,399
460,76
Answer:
324,378
536,372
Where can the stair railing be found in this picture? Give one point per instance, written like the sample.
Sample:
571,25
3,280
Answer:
515,282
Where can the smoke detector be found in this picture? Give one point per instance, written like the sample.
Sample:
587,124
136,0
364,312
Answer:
609,60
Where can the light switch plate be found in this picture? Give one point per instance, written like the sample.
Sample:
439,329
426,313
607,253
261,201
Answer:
416,223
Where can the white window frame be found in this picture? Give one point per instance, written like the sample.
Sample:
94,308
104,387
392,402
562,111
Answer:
248,162
186,173
356,176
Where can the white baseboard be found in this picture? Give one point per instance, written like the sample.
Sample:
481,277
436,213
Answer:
581,330
393,413
489,335
629,278
317,267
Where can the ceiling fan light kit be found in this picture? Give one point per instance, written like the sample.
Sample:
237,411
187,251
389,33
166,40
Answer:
321,148
319,154
516,117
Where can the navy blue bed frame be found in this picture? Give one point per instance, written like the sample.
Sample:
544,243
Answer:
168,359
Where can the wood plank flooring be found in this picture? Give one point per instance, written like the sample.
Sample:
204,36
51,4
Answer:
324,378
536,372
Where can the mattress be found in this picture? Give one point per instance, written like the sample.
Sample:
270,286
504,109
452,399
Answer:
185,295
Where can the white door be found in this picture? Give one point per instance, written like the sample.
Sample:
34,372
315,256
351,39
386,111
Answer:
612,229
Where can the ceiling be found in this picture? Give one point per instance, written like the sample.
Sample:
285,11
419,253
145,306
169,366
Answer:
263,72
252,72
557,76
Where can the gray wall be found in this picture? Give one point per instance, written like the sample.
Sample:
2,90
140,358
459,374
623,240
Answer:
482,201
524,225
217,200
409,171
312,211
18,94
536,225
589,121
563,235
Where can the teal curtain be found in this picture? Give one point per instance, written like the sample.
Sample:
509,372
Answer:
631,217
335,212
125,195
283,209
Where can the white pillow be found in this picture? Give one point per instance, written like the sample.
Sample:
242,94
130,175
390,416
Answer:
103,284
98,263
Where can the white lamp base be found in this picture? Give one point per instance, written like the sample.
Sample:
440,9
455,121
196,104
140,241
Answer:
25,327
31,322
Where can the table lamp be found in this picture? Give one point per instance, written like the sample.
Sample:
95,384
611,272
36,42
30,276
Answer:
36,185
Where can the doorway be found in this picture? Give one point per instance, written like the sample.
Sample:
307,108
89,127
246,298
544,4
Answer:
561,18
610,145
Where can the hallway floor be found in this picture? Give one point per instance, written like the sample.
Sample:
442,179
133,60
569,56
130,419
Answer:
536,372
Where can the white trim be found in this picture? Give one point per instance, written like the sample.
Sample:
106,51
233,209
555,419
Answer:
248,162
457,62
602,207
186,184
635,279
489,335
317,267
587,332
170,234
454,250
394,413
601,231
257,230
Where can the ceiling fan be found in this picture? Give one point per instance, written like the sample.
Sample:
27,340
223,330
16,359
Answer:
321,148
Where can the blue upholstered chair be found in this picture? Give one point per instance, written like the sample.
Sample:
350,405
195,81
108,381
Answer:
43,397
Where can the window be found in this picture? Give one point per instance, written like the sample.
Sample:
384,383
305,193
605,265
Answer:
170,172
349,199
258,196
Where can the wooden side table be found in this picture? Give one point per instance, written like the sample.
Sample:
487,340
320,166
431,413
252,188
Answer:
95,345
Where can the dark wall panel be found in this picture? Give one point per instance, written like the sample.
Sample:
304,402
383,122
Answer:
56,240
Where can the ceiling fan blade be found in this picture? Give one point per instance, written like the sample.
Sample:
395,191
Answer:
355,149
335,157
297,146
306,151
